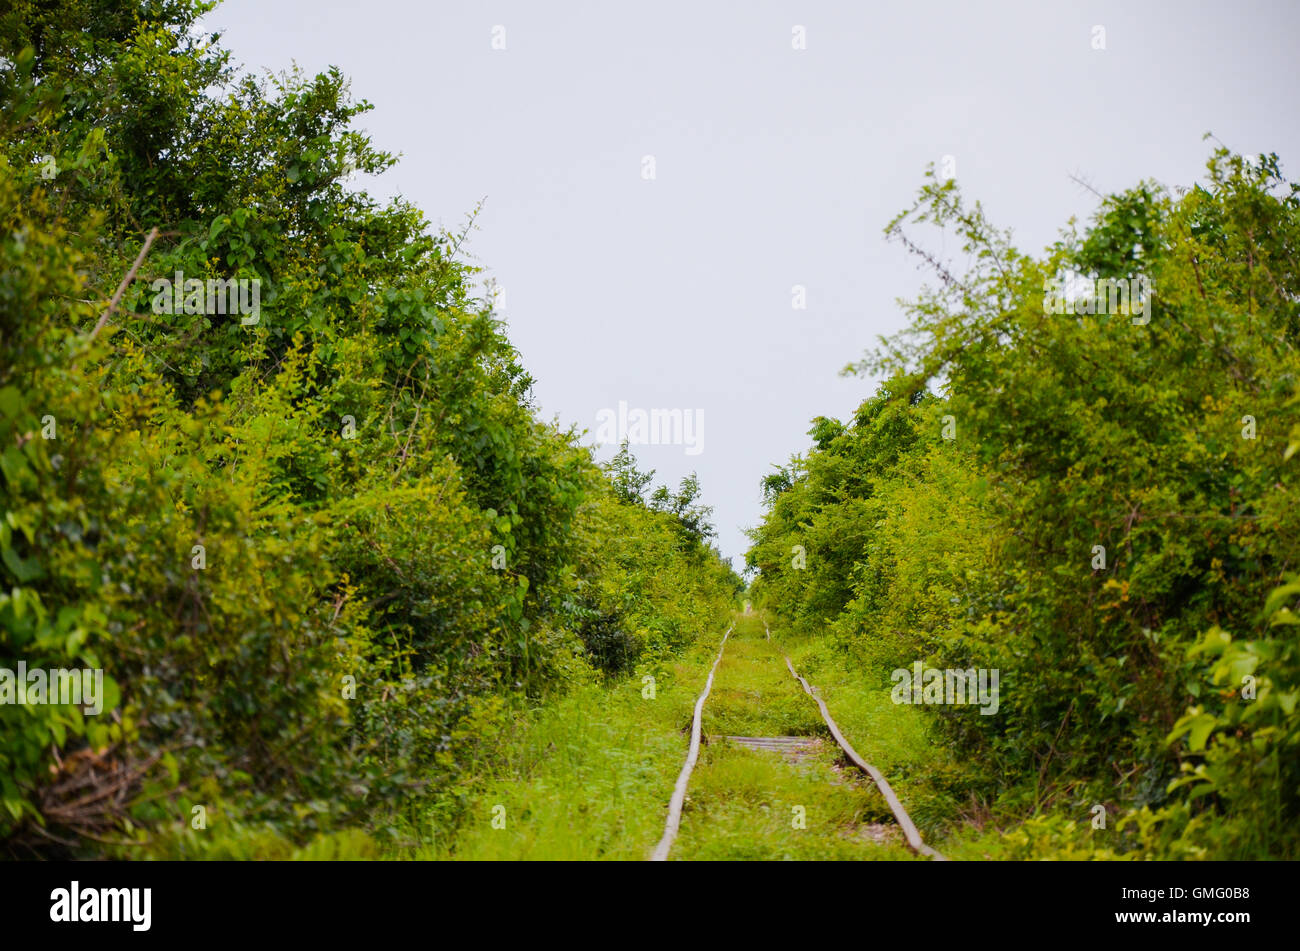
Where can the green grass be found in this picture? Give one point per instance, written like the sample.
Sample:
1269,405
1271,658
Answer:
892,737
741,804
588,776
753,693
933,785
585,777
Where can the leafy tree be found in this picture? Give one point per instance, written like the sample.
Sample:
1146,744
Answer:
629,482
692,517
314,552
1088,501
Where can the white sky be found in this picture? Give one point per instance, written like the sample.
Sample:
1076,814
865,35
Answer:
774,167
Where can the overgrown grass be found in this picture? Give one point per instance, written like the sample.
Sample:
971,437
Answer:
753,693
744,804
589,776
586,777
892,737
936,788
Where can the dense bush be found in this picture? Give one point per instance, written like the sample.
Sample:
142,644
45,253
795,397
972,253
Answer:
955,518
310,550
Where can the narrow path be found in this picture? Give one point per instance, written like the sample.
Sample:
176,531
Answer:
766,782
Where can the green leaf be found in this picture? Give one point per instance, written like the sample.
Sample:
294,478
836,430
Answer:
24,569
11,401
1279,595
1199,731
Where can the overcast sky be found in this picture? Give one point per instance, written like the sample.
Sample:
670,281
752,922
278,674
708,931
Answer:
773,167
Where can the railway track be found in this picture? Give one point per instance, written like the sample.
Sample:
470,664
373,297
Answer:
911,836
674,822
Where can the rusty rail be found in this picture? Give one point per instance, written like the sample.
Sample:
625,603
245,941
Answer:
674,822
910,834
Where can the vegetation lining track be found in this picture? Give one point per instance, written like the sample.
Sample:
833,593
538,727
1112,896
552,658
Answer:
912,837
674,822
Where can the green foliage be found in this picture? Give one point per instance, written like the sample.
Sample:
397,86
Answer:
313,552
629,482
954,520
